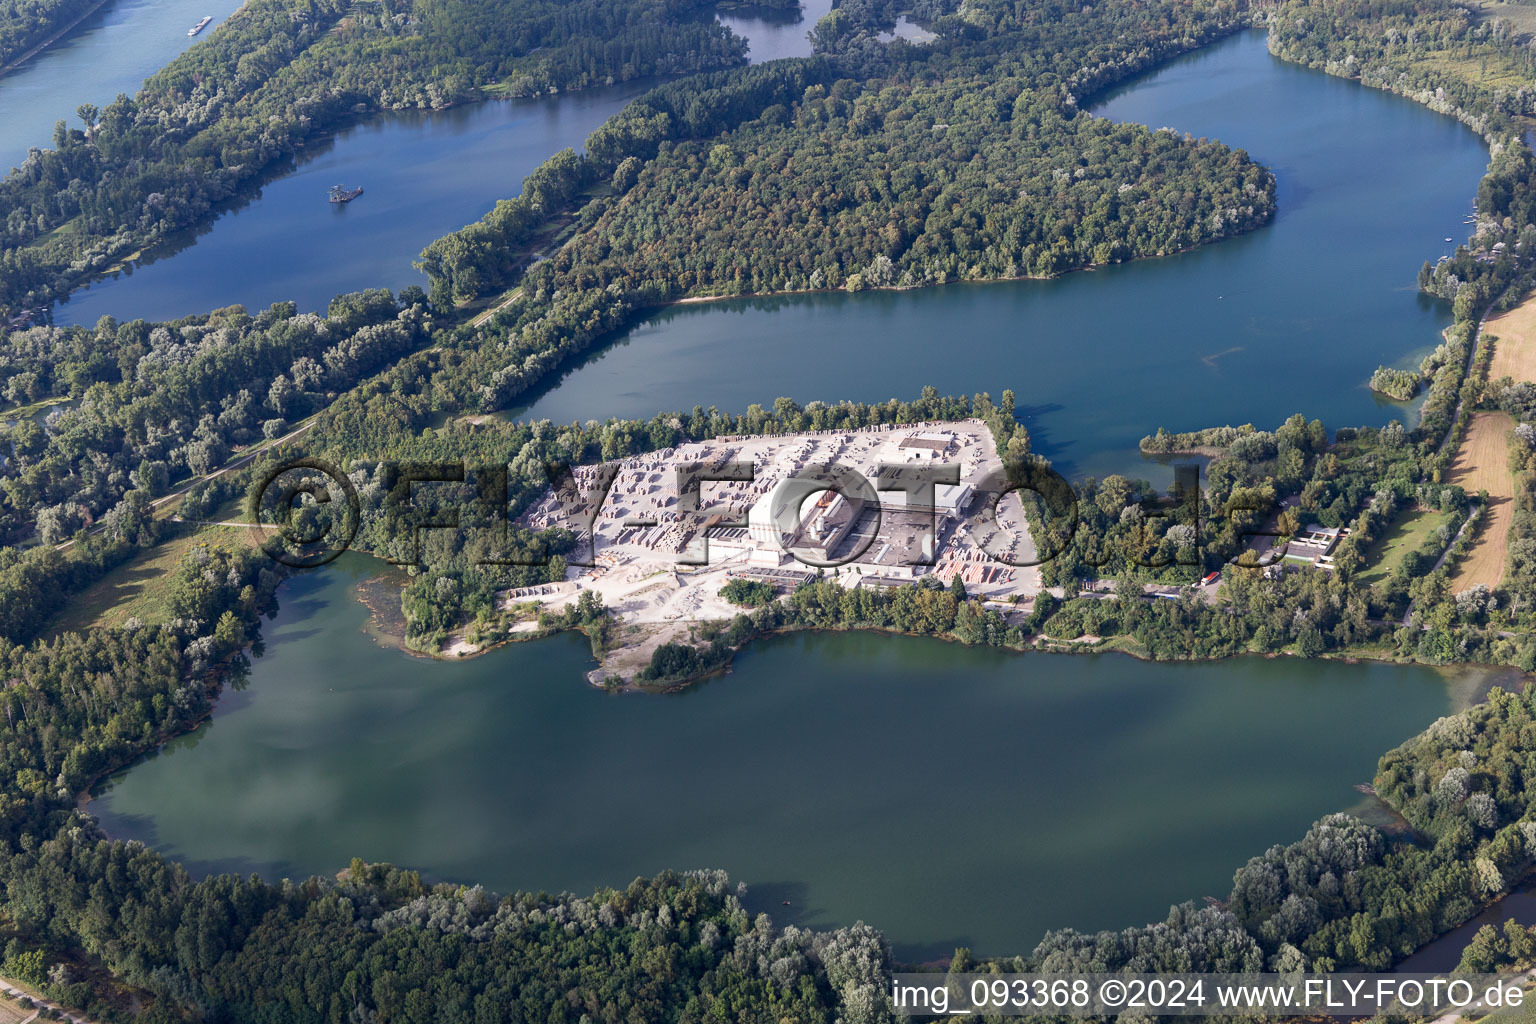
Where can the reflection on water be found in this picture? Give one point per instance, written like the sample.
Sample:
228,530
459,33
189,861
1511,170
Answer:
915,784
909,30
1445,952
1217,335
111,52
773,33
424,174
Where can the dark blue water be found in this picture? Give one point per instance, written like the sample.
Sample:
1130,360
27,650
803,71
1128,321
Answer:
1292,317
423,175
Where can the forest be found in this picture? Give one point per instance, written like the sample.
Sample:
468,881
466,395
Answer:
378,943
905,184
871,166
1435,52
239,104
626,256
25,24
861,169
888,183
159,403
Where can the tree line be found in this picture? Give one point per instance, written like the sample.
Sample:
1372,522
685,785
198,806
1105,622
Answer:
278,73
25,24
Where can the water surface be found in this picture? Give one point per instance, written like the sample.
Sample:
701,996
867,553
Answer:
772,35
423,175
1292,317
111,52
948,795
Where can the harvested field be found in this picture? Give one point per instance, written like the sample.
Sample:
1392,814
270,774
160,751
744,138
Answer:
1482,464
1514,350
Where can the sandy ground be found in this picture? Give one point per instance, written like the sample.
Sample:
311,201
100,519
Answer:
1514,353
638,591
655,597
1482,464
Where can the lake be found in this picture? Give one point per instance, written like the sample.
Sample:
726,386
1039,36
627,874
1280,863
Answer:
948,795
775,34
1292,317
424,174
945,794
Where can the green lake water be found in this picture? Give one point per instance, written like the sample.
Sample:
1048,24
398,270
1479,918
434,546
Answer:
948,795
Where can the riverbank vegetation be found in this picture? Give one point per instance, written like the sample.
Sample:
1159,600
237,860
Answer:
1399,384
280,73
376,941
462,571
1435,52
27,24
1343,896
865,168
996,180
384,380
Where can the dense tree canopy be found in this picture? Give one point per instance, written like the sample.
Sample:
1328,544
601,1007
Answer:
279,72
25,24
869,165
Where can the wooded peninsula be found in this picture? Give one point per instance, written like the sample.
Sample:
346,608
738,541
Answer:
868,165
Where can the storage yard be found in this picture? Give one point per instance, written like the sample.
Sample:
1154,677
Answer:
654,559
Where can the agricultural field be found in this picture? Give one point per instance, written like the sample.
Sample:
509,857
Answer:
12,1012
1514,342
1482,464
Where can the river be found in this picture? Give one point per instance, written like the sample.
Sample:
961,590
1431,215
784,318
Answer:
1290,318
110,52
948,795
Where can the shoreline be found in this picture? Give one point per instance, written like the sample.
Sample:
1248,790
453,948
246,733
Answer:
213,687
1107,645
1201,450
1086,268
6,69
